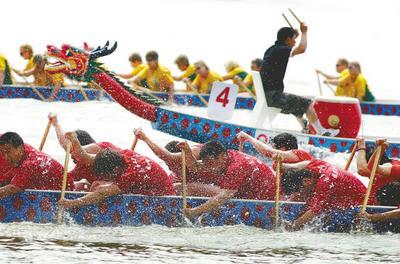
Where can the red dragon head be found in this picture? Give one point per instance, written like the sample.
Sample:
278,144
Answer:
75,62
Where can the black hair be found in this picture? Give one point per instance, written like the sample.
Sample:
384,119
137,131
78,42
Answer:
106,161
152,55
292,180
285,140
389,194
171,147
257,62
212,148
284,33
12,139
370,150
135,57
84,137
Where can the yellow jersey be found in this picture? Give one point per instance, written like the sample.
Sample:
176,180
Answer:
356,88
204,85
249,81
30,64
340,91
137,69
157,80
238,71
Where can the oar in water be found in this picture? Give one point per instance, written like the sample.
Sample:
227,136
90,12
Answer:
373,172
64,182
277,188
46,132
353,152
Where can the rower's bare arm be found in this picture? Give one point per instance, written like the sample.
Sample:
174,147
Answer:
327,76
383,170
92,198
295,166
191,163
362,164
332,81
304,219
301,48
261,147
9,190
78,151
211,204
59,132
382,217
27,72
124,75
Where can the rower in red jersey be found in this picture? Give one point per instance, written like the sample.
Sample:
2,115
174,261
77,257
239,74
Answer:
284,144
236,174
328,188
387,172
127,172
30,168
172,157
83,168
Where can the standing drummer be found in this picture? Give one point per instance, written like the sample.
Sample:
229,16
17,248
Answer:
273,71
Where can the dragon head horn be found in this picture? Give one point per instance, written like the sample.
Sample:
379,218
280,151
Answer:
103,51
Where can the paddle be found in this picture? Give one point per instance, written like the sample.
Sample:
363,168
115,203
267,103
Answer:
287,20
204,101
135,141
319,84
373,172
184,186
298,20
34,89
64,182
353,152
277,188
46,132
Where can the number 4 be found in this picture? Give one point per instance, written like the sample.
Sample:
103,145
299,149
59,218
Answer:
223,97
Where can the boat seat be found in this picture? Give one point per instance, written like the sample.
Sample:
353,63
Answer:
262,112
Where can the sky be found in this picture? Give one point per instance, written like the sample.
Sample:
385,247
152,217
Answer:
216,31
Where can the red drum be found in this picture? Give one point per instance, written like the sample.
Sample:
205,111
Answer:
339,112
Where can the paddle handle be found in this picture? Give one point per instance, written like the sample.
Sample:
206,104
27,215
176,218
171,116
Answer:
184,185
371,178
353,152
135,141
287,20
46,133
294,15
319,84
277,188
64,182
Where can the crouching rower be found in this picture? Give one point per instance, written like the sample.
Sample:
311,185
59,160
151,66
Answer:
83,169
236,174
126,171
28,168
324,187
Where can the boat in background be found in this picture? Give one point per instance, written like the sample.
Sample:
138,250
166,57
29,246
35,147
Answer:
136,210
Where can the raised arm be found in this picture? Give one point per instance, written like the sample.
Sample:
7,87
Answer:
191,163
362,164
60,134
9,190
301,48
79,153
383,170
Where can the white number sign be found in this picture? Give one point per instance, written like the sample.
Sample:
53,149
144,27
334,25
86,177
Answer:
222,100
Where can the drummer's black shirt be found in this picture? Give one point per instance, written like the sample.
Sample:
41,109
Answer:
273,67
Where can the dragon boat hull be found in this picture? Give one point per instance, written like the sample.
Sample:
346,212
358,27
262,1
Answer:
385,108
136,210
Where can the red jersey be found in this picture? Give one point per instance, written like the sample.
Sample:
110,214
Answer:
381,181
302,155
335,189
38,171
251,178
143,176
85,171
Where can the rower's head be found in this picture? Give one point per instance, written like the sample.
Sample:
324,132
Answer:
284,142
389,195
287,35
201,68
369,150
152,59
231,65
171,147
12,148
26,51
84,137
108,165
182,62
214,156
354,68
341,65
293,181
135,59
40,61
256,64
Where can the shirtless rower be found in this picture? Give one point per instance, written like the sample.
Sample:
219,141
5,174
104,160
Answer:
238,175
29,168
273,72
324,187
126,171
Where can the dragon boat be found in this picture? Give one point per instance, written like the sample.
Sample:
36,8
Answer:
83,66
136,210
75,94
